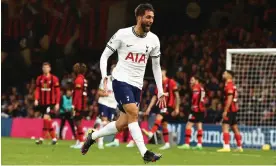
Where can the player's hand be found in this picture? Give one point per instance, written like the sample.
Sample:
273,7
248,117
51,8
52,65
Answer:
36,102
175,112
162,101
224,115
146,113
105,84
56,107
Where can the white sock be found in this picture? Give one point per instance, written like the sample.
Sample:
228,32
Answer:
137,136
226,146
100,140
109,129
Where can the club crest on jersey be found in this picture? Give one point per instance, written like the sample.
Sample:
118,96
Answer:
139,58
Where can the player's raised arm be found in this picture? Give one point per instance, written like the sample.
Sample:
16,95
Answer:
113,44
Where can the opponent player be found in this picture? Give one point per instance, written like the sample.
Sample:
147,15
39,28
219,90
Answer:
79,101
134,46
172,109
197,113
107,104
230,113
47,98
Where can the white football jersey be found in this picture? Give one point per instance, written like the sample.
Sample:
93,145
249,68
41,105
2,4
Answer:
133,51
110,100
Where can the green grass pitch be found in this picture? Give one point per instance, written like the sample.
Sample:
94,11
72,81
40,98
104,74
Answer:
25,152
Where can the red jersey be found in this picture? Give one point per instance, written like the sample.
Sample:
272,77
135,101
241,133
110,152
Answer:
230,89
47,90
169,86
80,93
198,98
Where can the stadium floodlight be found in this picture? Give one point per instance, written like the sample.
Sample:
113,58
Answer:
255,79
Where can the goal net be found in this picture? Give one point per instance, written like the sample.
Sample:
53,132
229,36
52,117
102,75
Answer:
255,79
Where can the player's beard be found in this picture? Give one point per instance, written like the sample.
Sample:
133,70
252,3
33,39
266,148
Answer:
145,27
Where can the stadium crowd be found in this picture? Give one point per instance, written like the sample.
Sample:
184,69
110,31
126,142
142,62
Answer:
27,44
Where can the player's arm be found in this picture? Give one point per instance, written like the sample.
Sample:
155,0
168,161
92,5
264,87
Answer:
229,99
156,68
101,92
195,95
77,91
57,90
113,44
37,90
152,103
177,97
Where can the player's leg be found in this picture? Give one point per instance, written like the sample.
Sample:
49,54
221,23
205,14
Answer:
225,130
131,142
188,131
104,120
116,141
165,133
79,133
238,137
199,135
236,131
131,103
155,127
70,120
109,129
188,134
62,123
45,130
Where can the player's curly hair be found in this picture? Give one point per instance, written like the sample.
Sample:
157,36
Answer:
140,9
79,68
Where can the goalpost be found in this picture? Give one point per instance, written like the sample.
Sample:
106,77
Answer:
255,79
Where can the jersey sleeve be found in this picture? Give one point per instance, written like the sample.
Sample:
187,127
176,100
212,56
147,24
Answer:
57,89
156,50
229,89
37,89
173,85
78,83
115,41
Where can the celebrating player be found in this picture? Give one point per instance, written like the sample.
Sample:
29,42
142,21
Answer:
172,109
134,46
196,115
230,113
47,98
107,104
79,100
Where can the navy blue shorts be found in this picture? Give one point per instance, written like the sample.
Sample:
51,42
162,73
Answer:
126,94
106,111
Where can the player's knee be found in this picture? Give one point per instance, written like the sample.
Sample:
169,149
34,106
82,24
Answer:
189,125
131,110
164,124
121,126
46,116
159,117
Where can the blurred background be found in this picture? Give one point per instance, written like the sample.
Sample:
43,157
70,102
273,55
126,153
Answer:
194,35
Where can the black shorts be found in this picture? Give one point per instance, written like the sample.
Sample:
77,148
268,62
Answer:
79,115
46,110
66,115
166,113
196,117
231,118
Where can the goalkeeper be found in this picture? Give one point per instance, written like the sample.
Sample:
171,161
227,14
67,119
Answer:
230,113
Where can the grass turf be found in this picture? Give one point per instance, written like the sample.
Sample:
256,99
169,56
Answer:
24,151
